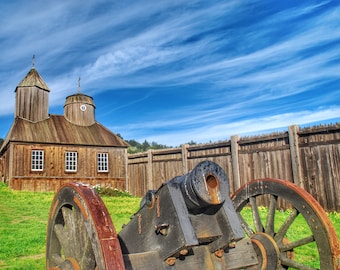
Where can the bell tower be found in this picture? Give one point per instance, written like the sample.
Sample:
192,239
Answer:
31,100
79,109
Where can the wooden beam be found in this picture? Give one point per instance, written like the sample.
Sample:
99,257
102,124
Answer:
295,155
234,159
185,158
149,173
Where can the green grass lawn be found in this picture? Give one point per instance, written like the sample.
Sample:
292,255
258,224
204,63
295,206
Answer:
23,221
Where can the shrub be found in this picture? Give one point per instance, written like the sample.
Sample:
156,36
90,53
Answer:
111,192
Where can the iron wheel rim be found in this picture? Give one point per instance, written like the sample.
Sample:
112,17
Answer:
303,204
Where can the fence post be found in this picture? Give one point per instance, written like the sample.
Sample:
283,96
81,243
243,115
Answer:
295,154
234,159
185,158
149,173
127,180
10,166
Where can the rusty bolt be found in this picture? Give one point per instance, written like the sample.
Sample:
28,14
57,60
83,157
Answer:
184,252
232,244
170,261
219,253
162,229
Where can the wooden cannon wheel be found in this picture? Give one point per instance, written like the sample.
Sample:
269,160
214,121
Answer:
277,243
80,232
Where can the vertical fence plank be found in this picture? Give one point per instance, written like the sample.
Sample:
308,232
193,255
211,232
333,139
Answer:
295,154
127,180
149,170
185,158
234,159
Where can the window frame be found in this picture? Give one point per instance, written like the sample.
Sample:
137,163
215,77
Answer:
71,161
37,160
102,162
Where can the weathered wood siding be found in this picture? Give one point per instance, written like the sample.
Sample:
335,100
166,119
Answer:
76,115
263,158
219,153
54,174
137,175
308,157
320,158
32,95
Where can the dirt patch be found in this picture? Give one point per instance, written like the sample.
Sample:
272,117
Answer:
33,257
21,219
3,265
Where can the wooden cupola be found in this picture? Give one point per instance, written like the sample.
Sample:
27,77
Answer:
79,109
32,94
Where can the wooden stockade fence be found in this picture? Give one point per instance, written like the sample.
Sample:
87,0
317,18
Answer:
309,157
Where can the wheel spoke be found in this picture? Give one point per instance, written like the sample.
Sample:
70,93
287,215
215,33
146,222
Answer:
88,258
248,230
82,238
298,243
256,215
291,263
60,233
71,231
57,259
271,215
285,226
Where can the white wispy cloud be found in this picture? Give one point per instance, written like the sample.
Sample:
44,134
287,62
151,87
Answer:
254,126
233,63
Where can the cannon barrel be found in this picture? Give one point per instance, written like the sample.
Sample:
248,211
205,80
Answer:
205,186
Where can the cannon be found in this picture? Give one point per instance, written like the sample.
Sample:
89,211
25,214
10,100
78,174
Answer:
191,222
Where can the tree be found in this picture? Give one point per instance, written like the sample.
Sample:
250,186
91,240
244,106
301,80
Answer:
136,147
192,142
145,145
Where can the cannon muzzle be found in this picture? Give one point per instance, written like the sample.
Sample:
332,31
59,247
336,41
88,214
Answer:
206,185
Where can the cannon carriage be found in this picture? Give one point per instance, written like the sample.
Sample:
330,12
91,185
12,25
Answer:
189,223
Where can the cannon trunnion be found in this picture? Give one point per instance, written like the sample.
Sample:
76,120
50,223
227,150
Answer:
190,223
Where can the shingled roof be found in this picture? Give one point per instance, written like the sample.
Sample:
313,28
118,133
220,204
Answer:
33,79
57,130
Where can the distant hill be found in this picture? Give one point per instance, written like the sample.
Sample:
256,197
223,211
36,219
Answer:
137,147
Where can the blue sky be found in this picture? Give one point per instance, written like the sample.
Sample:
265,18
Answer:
178,71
